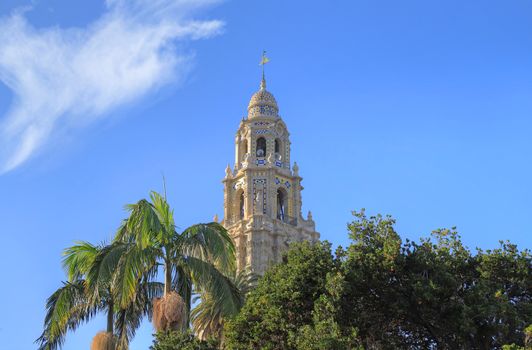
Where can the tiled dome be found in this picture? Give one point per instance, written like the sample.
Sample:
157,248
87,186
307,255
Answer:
262,103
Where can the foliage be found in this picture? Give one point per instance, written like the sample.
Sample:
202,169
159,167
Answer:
284,301
528,341
120,278
381,293
88,291
178,340
201,256
325,332
209,316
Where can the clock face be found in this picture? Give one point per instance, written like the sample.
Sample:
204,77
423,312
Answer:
260,152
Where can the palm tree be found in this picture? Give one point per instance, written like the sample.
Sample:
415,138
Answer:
199,256
122,320
209,316
88,291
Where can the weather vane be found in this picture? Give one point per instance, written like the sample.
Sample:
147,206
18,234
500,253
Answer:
263,61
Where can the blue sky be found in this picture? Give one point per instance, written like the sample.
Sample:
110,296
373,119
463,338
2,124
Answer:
418,109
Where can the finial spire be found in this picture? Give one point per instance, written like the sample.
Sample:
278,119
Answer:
263,61
228,172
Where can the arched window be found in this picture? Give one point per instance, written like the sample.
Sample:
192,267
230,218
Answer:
281,205
261,147
241,205
278,150
243,149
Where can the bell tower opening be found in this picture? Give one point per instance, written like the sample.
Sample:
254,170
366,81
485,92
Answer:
281,204
261,147
244,149
278,150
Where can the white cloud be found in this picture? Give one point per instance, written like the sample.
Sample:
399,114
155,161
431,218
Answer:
67,78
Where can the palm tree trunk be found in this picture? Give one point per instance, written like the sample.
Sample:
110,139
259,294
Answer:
110,313
167,277
188,305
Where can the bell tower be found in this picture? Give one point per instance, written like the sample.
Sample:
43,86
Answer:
262,193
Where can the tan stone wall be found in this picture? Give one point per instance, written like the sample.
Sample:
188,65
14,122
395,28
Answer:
260,236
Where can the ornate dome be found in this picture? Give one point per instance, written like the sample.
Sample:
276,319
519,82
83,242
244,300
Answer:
262,103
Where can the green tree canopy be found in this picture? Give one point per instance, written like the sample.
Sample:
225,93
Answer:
179,340
382,293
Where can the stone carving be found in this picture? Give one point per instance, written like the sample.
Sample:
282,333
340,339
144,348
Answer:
258,201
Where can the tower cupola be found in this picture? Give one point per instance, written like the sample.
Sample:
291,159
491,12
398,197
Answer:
263,104
262,195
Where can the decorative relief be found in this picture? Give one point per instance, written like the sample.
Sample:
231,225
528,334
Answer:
268,111
285,182
263,98
239,184
245,161
259,195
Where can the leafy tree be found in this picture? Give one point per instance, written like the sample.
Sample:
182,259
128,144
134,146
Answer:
325,332
178,340
528,341
369,265
381,293
283,300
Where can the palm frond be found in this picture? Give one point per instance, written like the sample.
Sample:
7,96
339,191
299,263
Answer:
206,277
128,319
101,272
208,316
135,263
209,242
182,283
122,234
66,309
143,223
245,281
78,258
166,217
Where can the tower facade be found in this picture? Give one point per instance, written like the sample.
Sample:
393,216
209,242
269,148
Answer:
262,193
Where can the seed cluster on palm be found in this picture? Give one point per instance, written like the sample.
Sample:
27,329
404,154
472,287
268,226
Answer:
169,312
104,341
